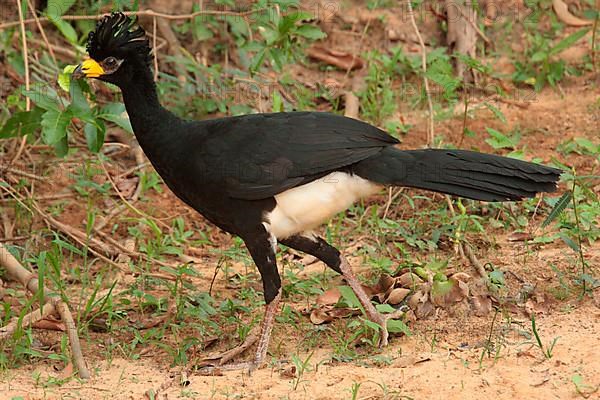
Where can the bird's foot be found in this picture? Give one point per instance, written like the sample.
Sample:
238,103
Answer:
249,366
220,359
381,320
214,364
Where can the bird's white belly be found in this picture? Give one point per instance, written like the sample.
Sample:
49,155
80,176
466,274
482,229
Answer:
305,207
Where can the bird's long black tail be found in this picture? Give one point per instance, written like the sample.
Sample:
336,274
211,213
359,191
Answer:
461,173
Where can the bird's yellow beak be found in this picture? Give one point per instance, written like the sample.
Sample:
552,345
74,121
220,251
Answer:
89,69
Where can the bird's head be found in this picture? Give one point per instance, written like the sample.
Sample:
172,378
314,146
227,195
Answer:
118,50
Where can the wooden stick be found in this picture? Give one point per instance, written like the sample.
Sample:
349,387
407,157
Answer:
42,32
30,281
29,319
21,23
430,129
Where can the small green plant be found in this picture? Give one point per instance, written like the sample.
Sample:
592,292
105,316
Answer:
302,366
354,390
546,350
582,388
543,66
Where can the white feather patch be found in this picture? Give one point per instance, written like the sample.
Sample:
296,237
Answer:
305,207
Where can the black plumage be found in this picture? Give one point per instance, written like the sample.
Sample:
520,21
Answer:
249,175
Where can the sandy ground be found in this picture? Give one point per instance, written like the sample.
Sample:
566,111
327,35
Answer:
451,371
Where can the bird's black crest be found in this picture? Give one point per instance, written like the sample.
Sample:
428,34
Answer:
119,36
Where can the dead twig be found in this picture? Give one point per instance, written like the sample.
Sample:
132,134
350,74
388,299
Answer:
42,32
37,315
30,281
430,126
25,54
16,171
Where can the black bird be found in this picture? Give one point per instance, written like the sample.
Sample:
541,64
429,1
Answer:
273,178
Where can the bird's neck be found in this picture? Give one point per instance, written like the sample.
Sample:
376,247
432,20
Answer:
150,121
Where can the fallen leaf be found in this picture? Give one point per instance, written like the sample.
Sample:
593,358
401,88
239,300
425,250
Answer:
409,280
326,314
397,295
459,290
563,13
50,325
482,305
336,58
66,372
329,297
318,316
385,283
519,237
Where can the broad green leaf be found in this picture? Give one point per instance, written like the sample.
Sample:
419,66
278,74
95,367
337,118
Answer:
238,26
66,29
350,298
276,56
277,102
58,8
44,99
568,41
115,113
440,288
269,34
64,78
397,326
539,56
569,242
22,123
61,148
79,105
257,60
385,308
201,31
54,126
311,32
499,140
94,135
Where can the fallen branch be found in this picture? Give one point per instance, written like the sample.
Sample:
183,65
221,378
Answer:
17,272
29,319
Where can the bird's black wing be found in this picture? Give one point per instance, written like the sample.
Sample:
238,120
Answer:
258,156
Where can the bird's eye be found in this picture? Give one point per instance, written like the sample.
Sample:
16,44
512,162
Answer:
110,62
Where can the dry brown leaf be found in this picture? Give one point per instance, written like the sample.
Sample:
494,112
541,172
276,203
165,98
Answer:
336,58
326,314
482,305
458,292
519,237
461,276
329,297
318,316
385,283
563,13
67,371
50,325
397,295
409,280
424,310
